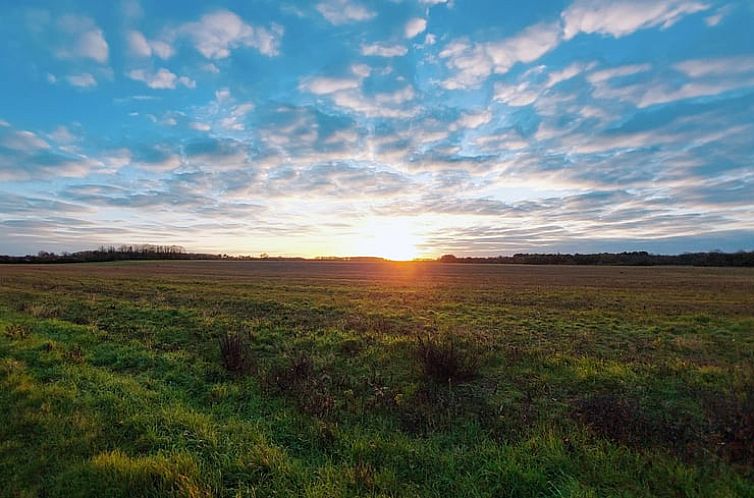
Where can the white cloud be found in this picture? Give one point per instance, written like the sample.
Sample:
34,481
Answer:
23,141
516,95
414,26
528,46
567,73
361,70
83,80
475,119
382,50
715,19
724,66
217,33
222,94
324,86
161,49
622,17
200,126
706,77
344,11
472,63
186,81
163,79
234,120
139,46
83,39
617,72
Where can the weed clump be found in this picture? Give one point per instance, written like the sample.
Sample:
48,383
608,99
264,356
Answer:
731,423
301,380
75,354
624,420
16,331
444,361
235,354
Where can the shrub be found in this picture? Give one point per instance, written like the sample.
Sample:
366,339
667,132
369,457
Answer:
442,360
300,379
16,331
731,426
235,354
624,420
75,354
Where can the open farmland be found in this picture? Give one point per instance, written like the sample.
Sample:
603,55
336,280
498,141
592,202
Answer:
375,379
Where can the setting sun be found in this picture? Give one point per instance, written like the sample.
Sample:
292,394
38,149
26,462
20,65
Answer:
391,239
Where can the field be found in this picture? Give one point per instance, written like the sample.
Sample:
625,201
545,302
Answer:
375,379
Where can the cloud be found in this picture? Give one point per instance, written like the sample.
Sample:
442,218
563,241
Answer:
216,34
617,72
83,39
473,63
723,66
339,12
383,50
24,155
200,126
619,18
705,77
21,140
414,26
324,86
163,79
568,72
475,119
83,80
139,46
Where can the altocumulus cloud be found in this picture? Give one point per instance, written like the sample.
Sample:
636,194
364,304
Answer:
485,128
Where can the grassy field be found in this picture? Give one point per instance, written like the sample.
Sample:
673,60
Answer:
354,379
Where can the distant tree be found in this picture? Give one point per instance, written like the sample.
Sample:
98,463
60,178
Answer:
448,258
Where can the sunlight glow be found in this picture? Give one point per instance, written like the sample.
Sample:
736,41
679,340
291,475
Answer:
394,239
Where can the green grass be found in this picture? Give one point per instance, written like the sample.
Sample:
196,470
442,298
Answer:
587,382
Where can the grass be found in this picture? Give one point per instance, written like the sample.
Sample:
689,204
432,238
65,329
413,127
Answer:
302,379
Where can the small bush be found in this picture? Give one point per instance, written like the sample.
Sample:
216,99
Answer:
235,354
75,355
16,331
624,420
300,379
443,361
731,426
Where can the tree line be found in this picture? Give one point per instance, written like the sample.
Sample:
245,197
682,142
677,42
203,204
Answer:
172,252
636,258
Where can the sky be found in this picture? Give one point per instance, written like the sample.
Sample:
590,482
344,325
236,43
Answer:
395,128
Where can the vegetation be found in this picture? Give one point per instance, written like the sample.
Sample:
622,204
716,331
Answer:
325,379
637,258
157,252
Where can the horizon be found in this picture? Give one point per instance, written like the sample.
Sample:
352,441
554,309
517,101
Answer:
118,248
354,128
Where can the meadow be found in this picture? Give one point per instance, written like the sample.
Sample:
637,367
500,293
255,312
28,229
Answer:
326,379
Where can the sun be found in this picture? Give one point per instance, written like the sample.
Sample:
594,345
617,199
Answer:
389,239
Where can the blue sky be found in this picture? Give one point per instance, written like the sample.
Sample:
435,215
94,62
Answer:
397,128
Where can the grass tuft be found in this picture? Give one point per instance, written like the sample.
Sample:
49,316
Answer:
444,361
236,354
